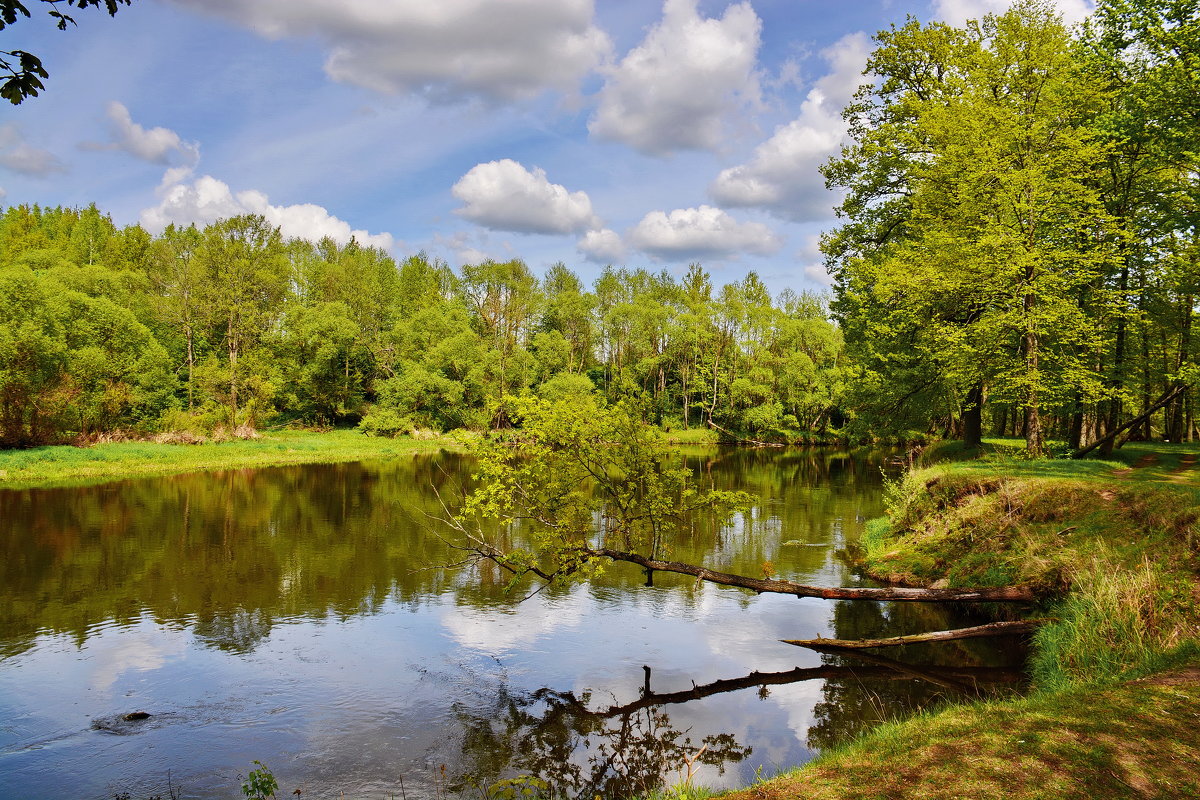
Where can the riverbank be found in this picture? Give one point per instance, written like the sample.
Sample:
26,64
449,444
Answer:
1114,548
66,465
1133,740
70,465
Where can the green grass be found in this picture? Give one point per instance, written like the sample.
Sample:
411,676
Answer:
67,465
1114,552
705,436
1131,740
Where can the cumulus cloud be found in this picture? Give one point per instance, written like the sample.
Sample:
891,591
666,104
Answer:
20,156
156,145
603,247
814,264
675,89
472,247
504,196
782,176
207,200
703,232
957,12
447,50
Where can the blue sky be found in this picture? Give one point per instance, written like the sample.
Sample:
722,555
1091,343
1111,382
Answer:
631,132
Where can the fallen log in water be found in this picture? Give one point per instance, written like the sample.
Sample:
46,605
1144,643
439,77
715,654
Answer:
990,629
1000,594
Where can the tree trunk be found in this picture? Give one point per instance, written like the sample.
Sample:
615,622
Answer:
1034,440
976,632
885,670
191,362
1115,383
1010,594
1075,429
233,384
973,416
1175,409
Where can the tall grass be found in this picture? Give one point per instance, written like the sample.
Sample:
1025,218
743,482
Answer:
1115,624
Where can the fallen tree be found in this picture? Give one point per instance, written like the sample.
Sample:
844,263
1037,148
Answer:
1000,594
588,486
975,632
1167,396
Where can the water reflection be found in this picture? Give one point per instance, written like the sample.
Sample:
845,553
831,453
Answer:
305,616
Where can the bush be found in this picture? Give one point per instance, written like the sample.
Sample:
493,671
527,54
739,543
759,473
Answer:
383,421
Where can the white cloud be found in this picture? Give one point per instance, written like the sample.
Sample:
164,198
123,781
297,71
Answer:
957,12
675,89
504,196
783,176
445,49
703,232
19,156
603,247
207,200
156,145
472,248
3,193
499,631
814,264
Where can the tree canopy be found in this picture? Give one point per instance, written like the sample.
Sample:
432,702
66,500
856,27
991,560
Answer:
1006,230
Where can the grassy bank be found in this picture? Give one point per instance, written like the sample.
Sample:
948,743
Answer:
1114,550
1134,740
67,465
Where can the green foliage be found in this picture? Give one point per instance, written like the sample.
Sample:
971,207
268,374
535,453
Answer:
383,421
1006,240
70,362
241,327
260,784
566,387
518,788
576,479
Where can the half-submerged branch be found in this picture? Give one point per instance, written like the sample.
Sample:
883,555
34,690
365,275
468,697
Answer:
1001,594
991,629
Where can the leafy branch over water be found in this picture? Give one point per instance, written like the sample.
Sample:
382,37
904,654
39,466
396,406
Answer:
584,485
579,479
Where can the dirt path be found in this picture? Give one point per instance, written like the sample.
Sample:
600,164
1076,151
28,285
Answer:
1148,460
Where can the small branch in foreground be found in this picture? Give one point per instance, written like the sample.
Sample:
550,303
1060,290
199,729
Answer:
991,629
1000,594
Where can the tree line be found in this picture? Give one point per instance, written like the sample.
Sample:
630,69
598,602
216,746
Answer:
105,328
1018,253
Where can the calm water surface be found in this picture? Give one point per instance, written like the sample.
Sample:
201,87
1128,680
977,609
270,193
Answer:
309,617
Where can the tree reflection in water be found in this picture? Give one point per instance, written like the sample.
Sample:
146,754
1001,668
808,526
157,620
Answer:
626,750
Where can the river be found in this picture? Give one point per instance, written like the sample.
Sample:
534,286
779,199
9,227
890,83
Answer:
313,618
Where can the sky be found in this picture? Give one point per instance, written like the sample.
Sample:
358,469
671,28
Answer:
635,133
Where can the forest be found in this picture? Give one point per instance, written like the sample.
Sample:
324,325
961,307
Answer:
1016,253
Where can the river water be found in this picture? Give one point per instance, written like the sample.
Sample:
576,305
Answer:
312,618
